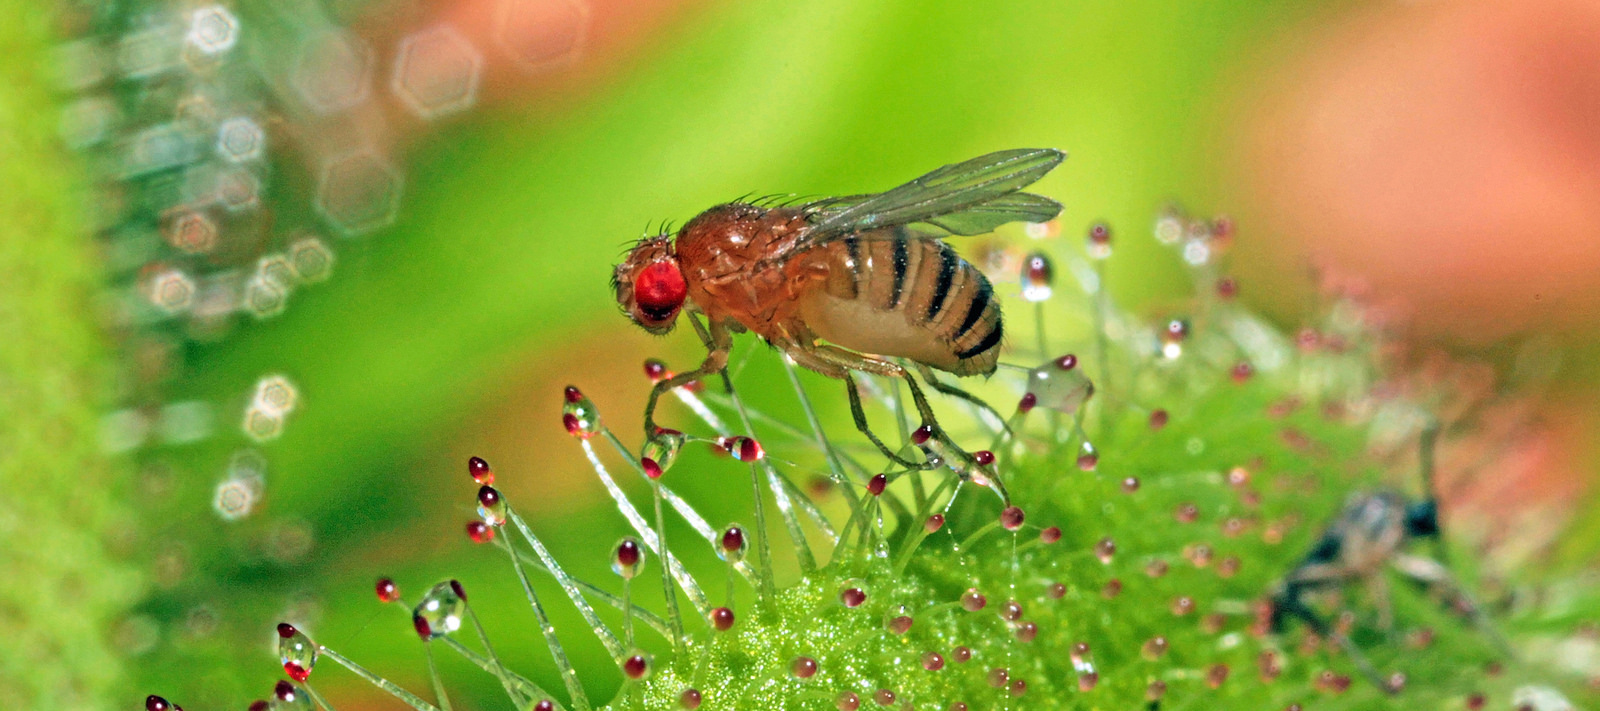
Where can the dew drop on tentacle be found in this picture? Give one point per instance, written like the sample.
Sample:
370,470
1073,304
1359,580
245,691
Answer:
1154,648
1112,589
1099,241
480,532
1216,675
296,652
847,701
998,677
661,451
1011,518
722,619
1050,535
933,523
386,590
491,508
480,471
637,666
545,705
746,449
961,654
439,611
733,544
851,594
1088,457
1057,591
1017,687
689,700
156,703
627,559
877,484
1011,610
973,601
932,661
1027,631
884,697
578,414
897,619
803,668
1058,385
289,697
1105,549
1038,277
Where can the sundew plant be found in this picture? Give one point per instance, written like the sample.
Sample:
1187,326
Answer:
1164,476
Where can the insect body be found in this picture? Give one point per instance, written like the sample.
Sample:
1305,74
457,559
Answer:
843,285
1372,533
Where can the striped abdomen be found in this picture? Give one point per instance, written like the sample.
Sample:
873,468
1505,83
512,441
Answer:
889,294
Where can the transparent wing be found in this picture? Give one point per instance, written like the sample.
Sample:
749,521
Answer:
968,198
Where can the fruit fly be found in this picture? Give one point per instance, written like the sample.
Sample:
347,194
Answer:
845,284
1371,533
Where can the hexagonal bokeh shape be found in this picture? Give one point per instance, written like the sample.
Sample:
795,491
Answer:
358,192
213,30
277,268
311,259
192,232
241,139
333,72
436,72
542,34
275,395
234,499
238,189
262,426
265,298
172,291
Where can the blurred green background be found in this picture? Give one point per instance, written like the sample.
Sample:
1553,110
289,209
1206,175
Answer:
451,333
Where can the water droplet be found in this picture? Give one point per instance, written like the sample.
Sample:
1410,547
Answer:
1058,590
628,558
898,619
998,677
803,668
961,654
1198,554
1088,680
1088,458
932,661
1158,419
1011,610
1027,403
1099,240
934,523
973,601
733,545
662,449
1050,535
156,703
722,619
876,484
1018,687
296,652
480,471
1182,605
491,508
289,697
439,611
259,705
689,700
746,449
847,701
1104,549
884,697
1155,690
1026,631
958,706
1154,647
386,590
1241,372
636,667
983,457
545,705
1011,518
1217,674
578,414
480,532
1059,385
852,596
1037,277
1186,513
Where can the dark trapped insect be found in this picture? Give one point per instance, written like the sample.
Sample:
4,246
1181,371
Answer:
845,284
1372,532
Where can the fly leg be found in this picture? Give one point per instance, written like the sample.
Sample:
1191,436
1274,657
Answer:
1378,586
807,358
933,382
1433,573
856,361
1289,602
718,342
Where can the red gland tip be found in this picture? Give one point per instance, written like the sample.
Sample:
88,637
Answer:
479,532
386,589
285,630
1028,402
722,619
156,703
296,672
983,457
573,394
656,370
455,587
651,468
922,434
285,691
480,471
1067,362
876,484
1011,518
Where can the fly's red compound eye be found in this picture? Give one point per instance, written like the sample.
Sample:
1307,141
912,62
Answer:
660,290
